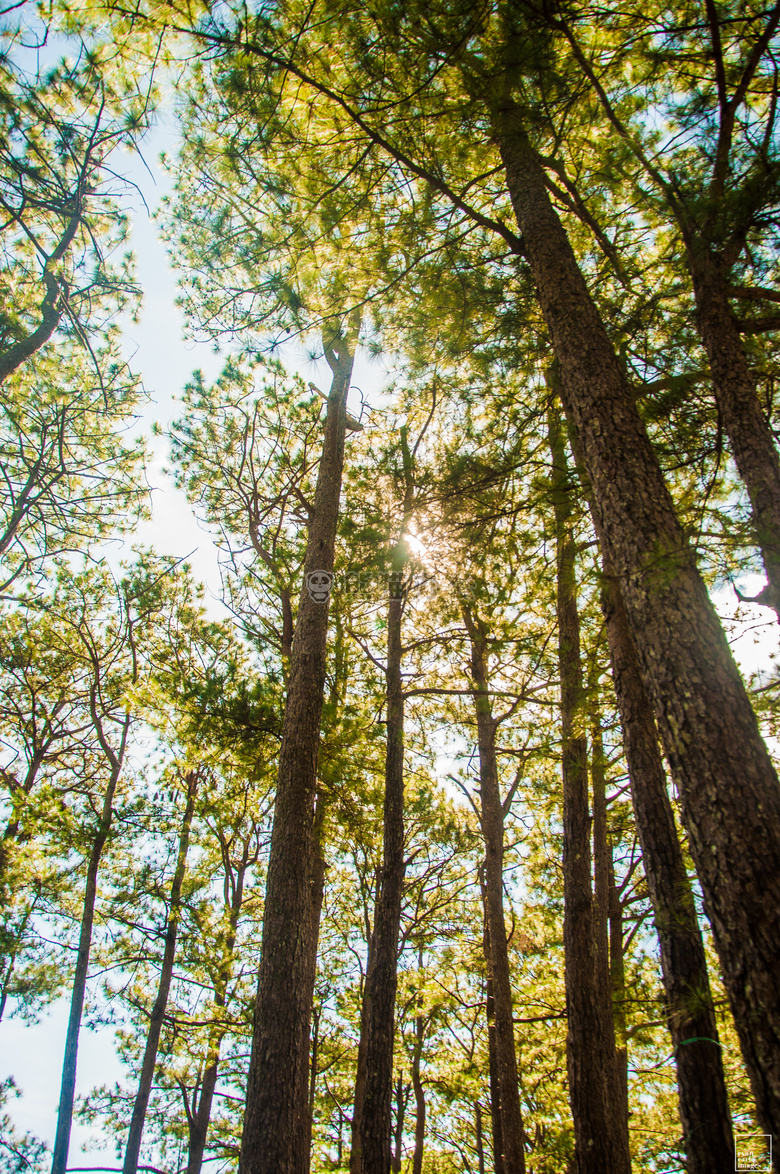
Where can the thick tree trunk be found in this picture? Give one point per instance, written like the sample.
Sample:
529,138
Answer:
275,1134
512,1152
166,974
382,976
704,1109
708,727
748,430
600,1120
68,1083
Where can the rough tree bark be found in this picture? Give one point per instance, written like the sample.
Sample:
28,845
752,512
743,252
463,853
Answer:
146,1078
709,730
68,1083
275,1133
703,1101
510,1158
600,1118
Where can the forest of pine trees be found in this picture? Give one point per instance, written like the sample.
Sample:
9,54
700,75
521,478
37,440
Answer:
448,838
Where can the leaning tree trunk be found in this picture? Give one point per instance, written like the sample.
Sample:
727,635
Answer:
511,1159
166,974
600,1119
748,430
382,977
68,1084
275,1133
708,727
703,1101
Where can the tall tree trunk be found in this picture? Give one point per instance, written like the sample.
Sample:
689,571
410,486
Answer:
308,1056
703,1101
355,1153
478,1139
401,1092
490,1017
375,1119
617,971
166,974
275,1133
419,1097
382,976
608,920
748,430
199,1125
512,1154
600,1122
708,727
68,1082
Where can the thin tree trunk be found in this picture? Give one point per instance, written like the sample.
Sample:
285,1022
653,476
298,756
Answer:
512,1153
355,1153
600,847
600,1123
308,1054
166,974
748,430
275,1132
401,1111
480,1145
617,972
490,1016
382,976
375,1120
708,727
607,912
68,1082
703,1101
419,1098
199,1125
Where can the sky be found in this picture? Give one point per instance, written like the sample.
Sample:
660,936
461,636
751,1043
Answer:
157,349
